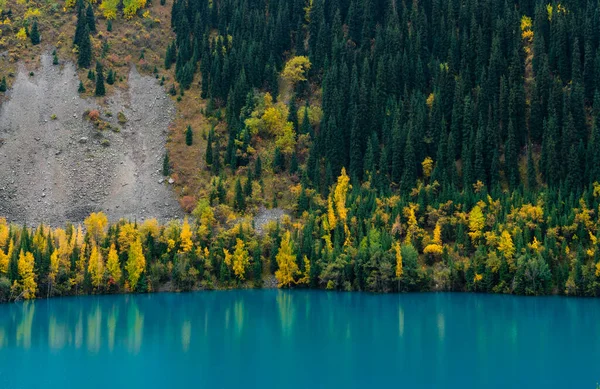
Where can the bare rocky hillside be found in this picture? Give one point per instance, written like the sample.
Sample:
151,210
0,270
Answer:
62,169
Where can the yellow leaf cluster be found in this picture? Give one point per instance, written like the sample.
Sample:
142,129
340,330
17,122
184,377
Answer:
186,237
136,263
286,260
27,285
22,34
427,165
113,266
476,223
32,13
295,69
241,259
399,269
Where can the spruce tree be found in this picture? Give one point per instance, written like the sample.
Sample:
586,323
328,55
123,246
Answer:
54,58
81,88
90,19
85,49
3,86
239,202
100,90
189,136
209,148
34,35
109,26
258,167
110,77
248,184
166,167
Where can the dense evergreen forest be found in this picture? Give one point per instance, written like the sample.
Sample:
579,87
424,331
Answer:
430,145
496,92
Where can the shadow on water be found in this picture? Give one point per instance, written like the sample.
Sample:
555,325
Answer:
349,339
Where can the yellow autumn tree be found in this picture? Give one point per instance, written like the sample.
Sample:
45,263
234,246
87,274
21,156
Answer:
506,246
186,237
427,165
113,266
25,287
286,261
130,7
476,223
296,68
306,274
399,269
241,259
435,247
136,263
127,235
4,258
96,267
96,225
109,8
340,193
331,218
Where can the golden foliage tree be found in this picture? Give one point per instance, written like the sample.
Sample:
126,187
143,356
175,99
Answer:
340,193
295,69
476,223
96,267
186,237
127,235
136,263
96,225
286,261
113,265
241,259
26,286
398,250
506,246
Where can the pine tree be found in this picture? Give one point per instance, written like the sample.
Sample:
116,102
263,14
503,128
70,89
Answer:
54,58
85,49
209,148
189,136
239,202
34,35
248,184
109,26
3,86
90,19
166,167
81,88
258,167
110,78
100,90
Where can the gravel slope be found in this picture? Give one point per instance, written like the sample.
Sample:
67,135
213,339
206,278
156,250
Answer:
54,171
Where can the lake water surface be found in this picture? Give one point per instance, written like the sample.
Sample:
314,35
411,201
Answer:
300,339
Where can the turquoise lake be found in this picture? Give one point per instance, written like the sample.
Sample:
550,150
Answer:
300,339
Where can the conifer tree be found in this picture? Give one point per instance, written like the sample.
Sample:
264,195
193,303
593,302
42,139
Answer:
34,35
81,88
209,148
239,202
189,136
110,77
90,19
100,90
3,86
85,48
166,167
